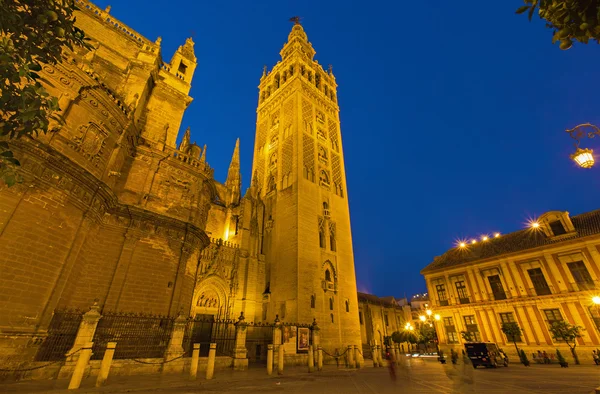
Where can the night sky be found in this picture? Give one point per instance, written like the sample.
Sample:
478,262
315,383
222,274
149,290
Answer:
452,113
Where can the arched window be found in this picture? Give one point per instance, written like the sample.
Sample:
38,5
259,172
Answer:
347,306
332,317
322,237
324,179
328,275
331,303
312,301
273,160
271,184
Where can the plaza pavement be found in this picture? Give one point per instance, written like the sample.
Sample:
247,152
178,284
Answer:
415,376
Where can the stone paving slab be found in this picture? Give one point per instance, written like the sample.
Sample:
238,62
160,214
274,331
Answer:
415,376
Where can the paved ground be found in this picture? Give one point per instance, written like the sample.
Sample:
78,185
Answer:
415,376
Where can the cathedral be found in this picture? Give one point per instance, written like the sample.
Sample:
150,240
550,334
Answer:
112,211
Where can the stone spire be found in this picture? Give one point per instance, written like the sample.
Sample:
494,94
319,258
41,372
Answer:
185,142
297,36
203,157
234,178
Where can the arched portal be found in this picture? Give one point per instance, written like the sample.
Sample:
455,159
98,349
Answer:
210,299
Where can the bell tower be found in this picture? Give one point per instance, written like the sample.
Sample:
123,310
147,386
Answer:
298,170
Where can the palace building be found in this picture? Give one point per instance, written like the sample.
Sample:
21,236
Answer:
112,209
534,277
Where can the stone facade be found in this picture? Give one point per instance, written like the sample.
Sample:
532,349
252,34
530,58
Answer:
380,317
532,277
112,210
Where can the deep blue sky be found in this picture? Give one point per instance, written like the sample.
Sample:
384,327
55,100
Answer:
453,113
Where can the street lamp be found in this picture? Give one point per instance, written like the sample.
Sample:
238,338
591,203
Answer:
583,157
429,318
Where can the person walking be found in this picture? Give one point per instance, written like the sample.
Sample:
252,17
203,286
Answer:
596,357
391,365
546,358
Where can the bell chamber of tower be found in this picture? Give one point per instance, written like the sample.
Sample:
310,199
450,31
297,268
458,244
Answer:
298,173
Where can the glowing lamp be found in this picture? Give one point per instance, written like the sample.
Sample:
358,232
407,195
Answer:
428,311
484,238
596,300
474,241
535,225
583,157
438,317
410,328
496,235
422,318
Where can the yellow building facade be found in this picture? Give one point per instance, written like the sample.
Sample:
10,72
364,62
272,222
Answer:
533,277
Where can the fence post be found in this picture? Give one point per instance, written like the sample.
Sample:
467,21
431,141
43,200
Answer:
194,365
269,359
106,361
85,334
319,358
311,359
175,348
82,363
210,367
240,362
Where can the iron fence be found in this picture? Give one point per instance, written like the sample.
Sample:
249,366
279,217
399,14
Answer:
137,336
208,330
258,337
61,335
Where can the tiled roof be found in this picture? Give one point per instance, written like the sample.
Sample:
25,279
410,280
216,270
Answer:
585,225
364,297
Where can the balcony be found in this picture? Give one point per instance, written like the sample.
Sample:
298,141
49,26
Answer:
540,291
465,300
499,295
584,286
443,302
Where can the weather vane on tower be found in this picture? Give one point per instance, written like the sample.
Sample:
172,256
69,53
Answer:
295,19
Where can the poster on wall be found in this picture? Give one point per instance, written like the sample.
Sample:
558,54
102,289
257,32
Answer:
289,339
303,339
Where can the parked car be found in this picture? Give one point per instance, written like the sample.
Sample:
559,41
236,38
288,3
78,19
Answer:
486,354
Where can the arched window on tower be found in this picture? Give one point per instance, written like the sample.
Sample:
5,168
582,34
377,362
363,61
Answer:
332,231
324,178
312,301
347,306
331,303
273,161
277,80
326,209
328,275
332,317
322,233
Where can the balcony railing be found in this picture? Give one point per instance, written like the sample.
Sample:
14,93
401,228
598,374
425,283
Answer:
584,286
443,302
540,291
499,295
465,300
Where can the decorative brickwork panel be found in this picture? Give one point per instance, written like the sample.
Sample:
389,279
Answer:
337,175
260,160
288,112
307,116
262,134
308,157
333,136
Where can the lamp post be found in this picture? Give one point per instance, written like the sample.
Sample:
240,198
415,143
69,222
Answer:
430,318
583,157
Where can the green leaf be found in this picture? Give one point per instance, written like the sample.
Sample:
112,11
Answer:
521,10
6,153
531,10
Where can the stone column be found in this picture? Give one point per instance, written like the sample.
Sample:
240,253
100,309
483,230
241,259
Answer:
240,362
82,363
175,348
374,353
212,355
269,359
106,361
316,340
357,357
350,357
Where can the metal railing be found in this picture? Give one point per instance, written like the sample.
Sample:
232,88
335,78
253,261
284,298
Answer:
258,337
137,336
206,331
61,335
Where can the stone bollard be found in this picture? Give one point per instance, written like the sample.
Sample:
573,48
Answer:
240,362
374,356
82,362
280,354
319,358
311,359
106,361
194,364
351,360
210,367
357,357
269,359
